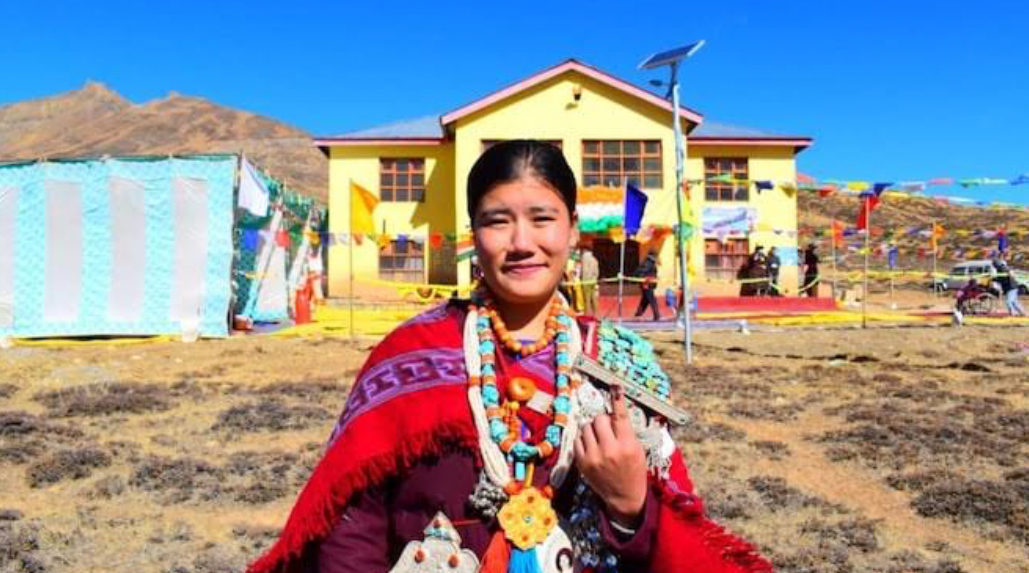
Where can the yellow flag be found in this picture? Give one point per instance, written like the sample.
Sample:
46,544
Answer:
362,203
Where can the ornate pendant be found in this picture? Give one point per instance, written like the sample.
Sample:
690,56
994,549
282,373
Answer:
527,518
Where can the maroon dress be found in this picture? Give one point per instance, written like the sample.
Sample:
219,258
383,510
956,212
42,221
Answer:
379,523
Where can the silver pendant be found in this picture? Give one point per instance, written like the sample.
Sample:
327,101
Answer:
439,552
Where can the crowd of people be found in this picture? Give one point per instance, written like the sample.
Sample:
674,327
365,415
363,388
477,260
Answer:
759,274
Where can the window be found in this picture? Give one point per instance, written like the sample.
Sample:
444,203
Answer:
608,162
403,260
735,167
402,179
488,143
722,260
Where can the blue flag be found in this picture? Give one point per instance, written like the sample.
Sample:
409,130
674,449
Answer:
1002,242
251,239
635,204
878,188
892,257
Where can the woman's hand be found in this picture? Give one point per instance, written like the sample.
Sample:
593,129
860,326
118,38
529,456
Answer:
613,462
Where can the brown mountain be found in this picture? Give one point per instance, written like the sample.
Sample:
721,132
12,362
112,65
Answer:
96,120
960,223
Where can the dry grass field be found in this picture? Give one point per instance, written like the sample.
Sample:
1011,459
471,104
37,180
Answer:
880,450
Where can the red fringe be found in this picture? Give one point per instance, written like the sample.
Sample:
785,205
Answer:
689,541
377,446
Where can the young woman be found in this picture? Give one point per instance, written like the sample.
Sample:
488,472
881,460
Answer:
473,410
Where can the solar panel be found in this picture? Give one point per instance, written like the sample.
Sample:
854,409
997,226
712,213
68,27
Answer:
670,56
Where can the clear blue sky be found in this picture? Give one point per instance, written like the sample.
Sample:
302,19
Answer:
889,90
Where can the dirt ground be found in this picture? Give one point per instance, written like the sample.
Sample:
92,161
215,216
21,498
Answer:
883,450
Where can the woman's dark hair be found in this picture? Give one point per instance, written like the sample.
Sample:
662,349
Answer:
510,160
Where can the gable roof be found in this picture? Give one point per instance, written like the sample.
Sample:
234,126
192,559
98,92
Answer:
432,129
568,65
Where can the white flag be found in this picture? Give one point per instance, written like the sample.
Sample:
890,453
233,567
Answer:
253,194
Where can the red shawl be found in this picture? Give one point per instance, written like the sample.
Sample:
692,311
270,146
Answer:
409,403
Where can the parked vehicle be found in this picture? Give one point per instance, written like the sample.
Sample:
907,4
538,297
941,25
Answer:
982,269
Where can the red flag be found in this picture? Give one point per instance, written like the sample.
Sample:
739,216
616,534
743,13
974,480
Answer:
282,239
871,201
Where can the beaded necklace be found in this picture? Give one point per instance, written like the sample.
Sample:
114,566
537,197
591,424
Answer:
527,517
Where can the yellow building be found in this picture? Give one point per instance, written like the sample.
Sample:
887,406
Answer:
610,131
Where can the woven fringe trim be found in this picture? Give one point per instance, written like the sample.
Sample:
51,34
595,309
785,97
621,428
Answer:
736,551
330,491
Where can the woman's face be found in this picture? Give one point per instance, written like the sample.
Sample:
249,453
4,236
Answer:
523,236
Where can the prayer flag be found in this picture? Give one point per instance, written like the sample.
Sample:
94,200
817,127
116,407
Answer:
253,193
1022,179
435,240
837,233
935,235
878,188
763,186
857,185
913,186
805,178
251,239
870,202
635,204
362,203
941,181
892,257
1002,241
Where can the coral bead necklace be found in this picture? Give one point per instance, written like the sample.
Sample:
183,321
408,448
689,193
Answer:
527,517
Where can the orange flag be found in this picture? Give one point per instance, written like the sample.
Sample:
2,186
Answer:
837,234
937,234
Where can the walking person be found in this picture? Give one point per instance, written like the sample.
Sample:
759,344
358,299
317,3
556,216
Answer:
1009,286
648,272
811,279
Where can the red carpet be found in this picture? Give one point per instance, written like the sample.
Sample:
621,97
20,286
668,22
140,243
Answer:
726,304
785,304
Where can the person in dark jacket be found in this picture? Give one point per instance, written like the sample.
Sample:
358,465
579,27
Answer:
773,265
648,272
811,279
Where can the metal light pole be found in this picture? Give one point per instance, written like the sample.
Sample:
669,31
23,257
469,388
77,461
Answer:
672,59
